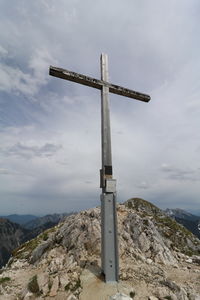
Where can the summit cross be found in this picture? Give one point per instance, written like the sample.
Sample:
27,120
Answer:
109,235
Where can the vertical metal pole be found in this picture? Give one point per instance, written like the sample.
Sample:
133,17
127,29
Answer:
109,243
105,118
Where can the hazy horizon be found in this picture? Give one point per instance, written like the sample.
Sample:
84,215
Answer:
42,214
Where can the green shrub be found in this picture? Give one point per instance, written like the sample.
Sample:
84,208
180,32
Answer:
72,287
33,286
67,287
4,279
132,294
45,236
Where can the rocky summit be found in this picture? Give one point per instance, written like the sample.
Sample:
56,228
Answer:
159,259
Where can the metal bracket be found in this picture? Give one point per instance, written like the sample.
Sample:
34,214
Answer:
110,186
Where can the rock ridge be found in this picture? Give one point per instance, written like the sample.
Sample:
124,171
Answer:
158,258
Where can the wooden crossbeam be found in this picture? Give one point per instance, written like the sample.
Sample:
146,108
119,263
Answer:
98,84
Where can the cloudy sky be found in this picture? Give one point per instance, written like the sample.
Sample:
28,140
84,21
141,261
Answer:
50,128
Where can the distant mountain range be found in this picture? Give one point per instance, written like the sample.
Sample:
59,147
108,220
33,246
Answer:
41,221
20,219
12,235
195,212
188,220
17,229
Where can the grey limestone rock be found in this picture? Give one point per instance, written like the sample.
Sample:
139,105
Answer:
196,259
120,296
39,250
54,288
148,251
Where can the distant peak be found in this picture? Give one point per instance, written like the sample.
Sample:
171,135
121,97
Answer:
140,204
177,211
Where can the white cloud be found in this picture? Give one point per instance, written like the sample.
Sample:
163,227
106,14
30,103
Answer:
152,47
14,79
31,150
5,171
3,51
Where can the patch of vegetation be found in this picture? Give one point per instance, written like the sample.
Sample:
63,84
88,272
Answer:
67,287
181,238
176,233
190,252
76,286
4,279
33,286
168,297
24,251
72,287
142,206
45,236
165,221
50,283
50,230
72,246
146,222
132,294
